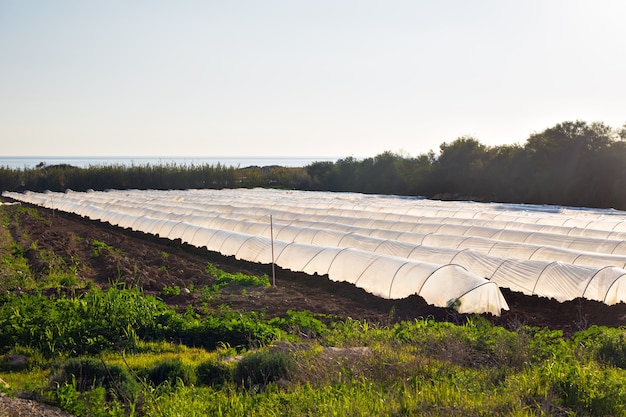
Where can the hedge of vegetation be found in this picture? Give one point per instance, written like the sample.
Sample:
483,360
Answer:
573,163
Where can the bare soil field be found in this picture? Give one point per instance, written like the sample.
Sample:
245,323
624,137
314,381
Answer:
153,263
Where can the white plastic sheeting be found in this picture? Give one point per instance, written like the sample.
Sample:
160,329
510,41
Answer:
450,253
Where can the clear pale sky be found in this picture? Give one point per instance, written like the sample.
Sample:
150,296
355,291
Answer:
301,78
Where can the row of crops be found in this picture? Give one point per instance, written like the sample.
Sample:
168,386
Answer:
453,254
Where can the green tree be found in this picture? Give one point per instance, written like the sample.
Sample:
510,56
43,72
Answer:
459,167
345,174
380,175
565,158
320,174
506,172
416,173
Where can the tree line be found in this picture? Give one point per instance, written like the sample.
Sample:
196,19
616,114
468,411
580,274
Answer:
573,163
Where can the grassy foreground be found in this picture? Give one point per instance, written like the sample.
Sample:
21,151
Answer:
117,352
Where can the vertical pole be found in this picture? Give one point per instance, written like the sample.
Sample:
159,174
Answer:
272,243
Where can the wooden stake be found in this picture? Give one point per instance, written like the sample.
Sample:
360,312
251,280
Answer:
272,243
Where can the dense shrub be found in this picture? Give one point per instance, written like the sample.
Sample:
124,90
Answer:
557,387
241,330
300,323
90,373
262,368
214,373
607,345
172,371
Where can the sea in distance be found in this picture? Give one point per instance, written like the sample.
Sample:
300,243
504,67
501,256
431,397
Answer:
29,162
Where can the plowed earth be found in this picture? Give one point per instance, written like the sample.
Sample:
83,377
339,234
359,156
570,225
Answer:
153,263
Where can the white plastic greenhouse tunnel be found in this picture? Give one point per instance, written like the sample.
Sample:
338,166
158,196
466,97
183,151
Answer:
452,254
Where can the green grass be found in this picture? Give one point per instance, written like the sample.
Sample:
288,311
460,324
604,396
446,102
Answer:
14,268
223,280
55,271
391,377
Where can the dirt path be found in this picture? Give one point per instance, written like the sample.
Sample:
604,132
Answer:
19,407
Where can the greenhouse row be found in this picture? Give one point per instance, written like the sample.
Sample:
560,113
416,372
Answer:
453,254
